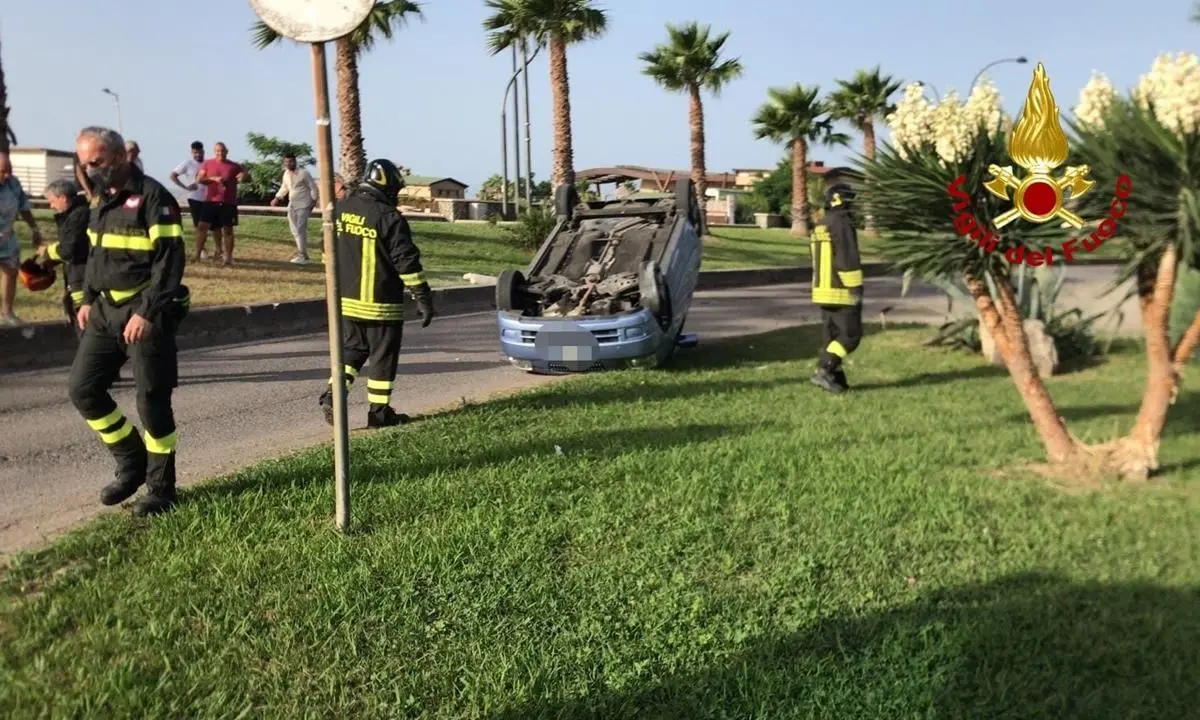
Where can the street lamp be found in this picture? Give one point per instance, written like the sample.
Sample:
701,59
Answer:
117,102
1019,60
936,94
512,82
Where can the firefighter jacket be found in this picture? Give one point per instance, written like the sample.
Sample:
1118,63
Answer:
837,271
72,247
137,252
377,257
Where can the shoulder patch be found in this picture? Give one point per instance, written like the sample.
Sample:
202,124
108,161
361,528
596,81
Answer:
134,202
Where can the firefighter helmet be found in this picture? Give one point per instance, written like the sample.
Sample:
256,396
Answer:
35,276
839,195
384,176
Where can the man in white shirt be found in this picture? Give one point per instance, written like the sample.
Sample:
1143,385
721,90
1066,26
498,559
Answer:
195,191
302,194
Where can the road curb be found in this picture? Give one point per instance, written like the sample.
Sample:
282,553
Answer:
52,344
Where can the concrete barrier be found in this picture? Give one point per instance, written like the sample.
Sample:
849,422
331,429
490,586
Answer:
52,344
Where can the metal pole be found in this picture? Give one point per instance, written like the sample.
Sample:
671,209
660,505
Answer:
936,94
341,434
528,151
1019,60
504,157
516,137
120,127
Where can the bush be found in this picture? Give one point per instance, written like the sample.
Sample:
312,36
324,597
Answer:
533,228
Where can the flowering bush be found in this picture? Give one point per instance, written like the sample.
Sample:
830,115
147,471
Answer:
950,127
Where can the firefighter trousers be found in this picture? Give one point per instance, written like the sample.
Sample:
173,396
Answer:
842,333
102,352
376,345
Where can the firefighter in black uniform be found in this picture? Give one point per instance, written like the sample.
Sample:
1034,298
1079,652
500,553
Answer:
837,286
133,300
377,261
71,215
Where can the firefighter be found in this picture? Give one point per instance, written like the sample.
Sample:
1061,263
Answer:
837,286
377,262
71,215
132,302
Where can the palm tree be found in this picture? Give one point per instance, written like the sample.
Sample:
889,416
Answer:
690,61
556,23
385,18
795,117
860,102
6,133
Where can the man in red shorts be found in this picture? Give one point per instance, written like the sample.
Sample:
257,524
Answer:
220,176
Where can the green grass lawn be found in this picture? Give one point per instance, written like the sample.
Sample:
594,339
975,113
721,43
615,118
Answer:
719,539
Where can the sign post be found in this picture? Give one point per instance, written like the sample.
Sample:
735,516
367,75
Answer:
317,22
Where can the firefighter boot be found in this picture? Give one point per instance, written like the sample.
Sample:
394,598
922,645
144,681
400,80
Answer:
379,416
839,375
130,454
160,485
826,379
326,403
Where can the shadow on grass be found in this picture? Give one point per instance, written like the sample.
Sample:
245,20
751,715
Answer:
1182,419
1029,645
430,368
600,443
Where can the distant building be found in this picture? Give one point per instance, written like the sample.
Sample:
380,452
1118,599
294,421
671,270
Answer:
423,189
37,167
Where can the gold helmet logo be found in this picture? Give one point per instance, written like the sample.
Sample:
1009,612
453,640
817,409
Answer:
1039,145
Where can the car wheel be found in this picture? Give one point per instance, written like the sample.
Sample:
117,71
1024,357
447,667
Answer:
566,197
685,197
509,289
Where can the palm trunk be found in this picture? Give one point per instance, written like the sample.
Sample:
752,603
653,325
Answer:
5,132
699,171
1140,451
1007,329
799,188
868,131
563,172
354,155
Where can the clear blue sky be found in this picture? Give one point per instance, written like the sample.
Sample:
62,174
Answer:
431,98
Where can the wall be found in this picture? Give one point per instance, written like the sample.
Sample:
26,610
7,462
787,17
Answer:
37,169
447,191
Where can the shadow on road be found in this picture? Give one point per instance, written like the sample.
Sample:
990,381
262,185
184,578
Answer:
323,373
1028,645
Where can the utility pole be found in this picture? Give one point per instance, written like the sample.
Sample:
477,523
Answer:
116,101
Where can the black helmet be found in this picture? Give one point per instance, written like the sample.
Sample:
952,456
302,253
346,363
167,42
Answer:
384,176
839,195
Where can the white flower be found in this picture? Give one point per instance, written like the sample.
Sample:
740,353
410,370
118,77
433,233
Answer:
984,107
911,124
1094,101
952,132
1173,88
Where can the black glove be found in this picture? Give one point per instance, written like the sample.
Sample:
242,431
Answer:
424,297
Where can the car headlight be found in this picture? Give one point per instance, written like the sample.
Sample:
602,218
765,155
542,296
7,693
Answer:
635,333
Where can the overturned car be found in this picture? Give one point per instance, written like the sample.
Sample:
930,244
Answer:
609,288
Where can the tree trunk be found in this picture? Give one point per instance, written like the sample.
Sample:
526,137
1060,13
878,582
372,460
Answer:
868,131
1006,327
354,155
699,171
563,172
1187,345
1139,454
5,132
799,188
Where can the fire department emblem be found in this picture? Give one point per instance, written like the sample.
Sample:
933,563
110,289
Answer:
1039,145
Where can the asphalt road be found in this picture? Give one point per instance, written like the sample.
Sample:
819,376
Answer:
240,404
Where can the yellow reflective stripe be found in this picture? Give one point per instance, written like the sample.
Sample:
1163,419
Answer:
77,297
350,370
348,382
52,251
826,276
851,278
372,311
366,275
832,296
127,242
387,385
836,348
378,399
122,295
116,436
92,236
174,230
107,421
412,279
159,446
